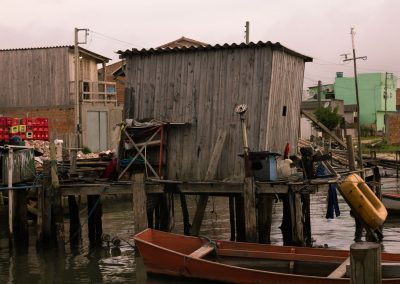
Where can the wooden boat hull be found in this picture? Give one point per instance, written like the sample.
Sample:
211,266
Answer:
391,201
170,254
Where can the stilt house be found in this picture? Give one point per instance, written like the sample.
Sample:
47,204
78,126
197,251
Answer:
194,90
40,82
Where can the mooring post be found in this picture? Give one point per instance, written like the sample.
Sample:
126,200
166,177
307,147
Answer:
139,202
365,263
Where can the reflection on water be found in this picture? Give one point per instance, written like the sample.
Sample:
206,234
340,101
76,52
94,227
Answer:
118,265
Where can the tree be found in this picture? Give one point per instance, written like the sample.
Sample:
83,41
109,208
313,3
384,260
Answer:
328,117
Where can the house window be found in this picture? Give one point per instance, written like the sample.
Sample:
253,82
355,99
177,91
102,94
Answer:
110,89
284,111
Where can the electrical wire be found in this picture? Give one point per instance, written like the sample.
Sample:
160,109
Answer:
114,39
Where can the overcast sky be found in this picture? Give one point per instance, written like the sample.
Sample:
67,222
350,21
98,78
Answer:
317,28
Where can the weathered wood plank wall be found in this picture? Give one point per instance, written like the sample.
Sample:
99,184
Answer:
286,91
202,87
34,77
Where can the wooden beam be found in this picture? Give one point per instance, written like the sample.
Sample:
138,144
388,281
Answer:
202,251
210,174
365,261
312,117
340,271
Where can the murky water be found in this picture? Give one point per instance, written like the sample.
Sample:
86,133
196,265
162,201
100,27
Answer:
118,265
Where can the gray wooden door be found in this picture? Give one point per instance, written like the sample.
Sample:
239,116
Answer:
97,129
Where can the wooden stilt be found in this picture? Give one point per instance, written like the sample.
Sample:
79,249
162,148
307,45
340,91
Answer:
56,202
232,217
286,226
240,222
95,229
185,214
166,212
305,198
11,194
75,232
249,198
296,216
264,211
139,202
20,222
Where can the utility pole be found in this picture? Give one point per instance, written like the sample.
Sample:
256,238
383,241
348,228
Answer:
352,32
247,32
385,96
319,93
78,118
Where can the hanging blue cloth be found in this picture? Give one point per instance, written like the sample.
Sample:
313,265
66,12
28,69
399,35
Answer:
333,204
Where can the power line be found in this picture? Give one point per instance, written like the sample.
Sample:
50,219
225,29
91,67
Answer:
115,39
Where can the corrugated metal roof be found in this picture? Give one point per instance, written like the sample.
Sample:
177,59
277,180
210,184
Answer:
276,46
83,50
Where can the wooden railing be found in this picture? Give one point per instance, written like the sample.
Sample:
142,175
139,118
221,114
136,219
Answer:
97,92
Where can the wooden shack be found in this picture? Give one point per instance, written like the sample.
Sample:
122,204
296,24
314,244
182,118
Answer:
39,82
196,90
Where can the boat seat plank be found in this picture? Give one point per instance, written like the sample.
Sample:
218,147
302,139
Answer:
341,270
202,251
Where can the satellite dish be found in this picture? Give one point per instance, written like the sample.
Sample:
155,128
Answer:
241,109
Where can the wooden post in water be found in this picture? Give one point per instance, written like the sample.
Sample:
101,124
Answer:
249,198
297,218
11,194
365,263
264,207
139,202
56,206
95,226
232,217
75,231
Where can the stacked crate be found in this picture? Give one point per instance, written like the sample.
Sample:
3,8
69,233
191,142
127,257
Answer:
4,131
36,128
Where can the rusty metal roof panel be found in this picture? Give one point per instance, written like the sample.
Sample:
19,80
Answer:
274,46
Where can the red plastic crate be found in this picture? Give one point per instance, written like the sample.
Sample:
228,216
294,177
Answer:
12,121
27,121
3,121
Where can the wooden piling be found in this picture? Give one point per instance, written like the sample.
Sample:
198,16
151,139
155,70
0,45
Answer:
75,231
185,214
296,215
20,224
56,202
249,199
232,217
240,220
305,198
264,211
139,202
95,227
365,263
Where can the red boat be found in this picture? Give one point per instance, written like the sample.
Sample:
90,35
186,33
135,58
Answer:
235,262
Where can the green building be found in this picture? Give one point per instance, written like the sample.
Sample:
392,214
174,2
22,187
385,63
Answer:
371,90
